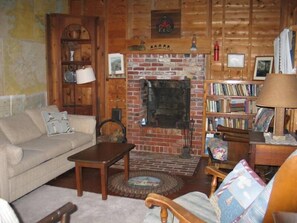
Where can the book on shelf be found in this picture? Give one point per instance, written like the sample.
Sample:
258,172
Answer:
234,89
231,106
207,139
213,122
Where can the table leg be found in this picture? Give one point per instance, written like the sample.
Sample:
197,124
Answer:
252,156
78,180
103,172
126,166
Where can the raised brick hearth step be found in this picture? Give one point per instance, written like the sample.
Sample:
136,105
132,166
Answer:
161,162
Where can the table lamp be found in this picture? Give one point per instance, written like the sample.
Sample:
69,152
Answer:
279,91
85,75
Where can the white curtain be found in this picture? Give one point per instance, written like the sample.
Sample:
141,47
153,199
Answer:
282,53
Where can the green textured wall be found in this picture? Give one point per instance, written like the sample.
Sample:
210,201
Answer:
22,44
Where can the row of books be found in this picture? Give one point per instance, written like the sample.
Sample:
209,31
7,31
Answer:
213,122
231,105
234,89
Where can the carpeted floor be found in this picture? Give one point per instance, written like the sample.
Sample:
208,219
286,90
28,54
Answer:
91,208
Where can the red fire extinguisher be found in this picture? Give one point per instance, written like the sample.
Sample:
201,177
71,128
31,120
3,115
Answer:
216,52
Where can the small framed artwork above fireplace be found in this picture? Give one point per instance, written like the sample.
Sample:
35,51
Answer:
165,24
116,65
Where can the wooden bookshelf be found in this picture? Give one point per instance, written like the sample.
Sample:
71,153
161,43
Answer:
231,103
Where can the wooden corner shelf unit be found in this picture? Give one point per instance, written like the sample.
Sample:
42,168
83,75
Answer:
72,43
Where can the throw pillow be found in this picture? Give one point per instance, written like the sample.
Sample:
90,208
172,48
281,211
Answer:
238,190
256,211
218,148
56,123
14,154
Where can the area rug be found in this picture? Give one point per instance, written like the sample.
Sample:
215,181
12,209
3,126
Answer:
143,182
90,207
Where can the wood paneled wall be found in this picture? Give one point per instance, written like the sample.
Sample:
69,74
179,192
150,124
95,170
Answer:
240,26
246,27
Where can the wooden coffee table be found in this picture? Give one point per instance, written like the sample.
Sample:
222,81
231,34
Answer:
101,156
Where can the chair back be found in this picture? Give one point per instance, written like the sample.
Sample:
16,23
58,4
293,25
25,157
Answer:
263,119
283,195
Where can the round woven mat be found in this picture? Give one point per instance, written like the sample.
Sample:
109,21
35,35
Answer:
143,182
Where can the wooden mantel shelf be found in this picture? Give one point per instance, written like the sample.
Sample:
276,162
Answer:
168,46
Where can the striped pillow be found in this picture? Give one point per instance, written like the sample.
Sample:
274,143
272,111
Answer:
238,190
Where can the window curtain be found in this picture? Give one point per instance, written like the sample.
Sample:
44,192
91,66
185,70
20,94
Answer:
284,47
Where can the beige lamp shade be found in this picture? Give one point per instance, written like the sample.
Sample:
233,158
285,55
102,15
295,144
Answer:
279,91
85,75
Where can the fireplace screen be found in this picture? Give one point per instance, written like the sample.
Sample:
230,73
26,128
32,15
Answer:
168,103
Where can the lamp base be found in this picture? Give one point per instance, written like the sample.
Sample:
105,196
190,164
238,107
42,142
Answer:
279,138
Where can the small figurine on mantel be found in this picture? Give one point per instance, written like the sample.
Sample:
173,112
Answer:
194,46
140,47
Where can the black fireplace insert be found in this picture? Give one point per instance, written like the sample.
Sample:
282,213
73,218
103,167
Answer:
168,103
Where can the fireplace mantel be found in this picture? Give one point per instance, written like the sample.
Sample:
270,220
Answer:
167,46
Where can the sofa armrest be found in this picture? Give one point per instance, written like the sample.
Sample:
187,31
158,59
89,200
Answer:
4,191
83,123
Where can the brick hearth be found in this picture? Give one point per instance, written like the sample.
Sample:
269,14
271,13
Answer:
170,67
168,163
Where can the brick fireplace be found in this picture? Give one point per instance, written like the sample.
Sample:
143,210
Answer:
143,67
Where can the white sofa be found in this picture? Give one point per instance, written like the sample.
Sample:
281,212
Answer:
29,157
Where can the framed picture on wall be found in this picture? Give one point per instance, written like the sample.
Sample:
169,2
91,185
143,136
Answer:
116,65
263,66
235,60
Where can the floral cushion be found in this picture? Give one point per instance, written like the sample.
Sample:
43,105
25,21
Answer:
56,123
238,190
218,148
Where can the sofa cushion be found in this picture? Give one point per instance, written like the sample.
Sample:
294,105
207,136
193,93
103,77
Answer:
30,159
238,190
19,128
50,146
76,139
14,154
3,138
56,123
83,123
204,210
35,115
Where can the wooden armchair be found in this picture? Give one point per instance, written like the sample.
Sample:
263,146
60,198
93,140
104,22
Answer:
62,214
234,142
279,195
